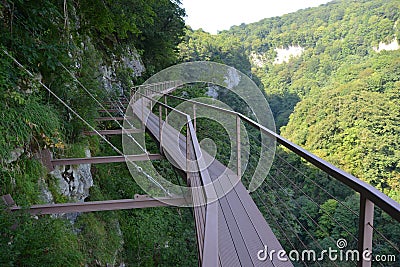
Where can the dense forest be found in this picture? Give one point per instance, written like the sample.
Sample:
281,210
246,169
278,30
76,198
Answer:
335,93
340,97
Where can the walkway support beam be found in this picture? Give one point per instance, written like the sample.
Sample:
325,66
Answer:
139,201
113,132
108,159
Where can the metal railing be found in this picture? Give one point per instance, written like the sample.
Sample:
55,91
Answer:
155,87
206,215
369,195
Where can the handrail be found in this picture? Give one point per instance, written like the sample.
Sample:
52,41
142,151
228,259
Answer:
210,245
200,103
165,105
164,83
380,199
209,253
202,170
369,195
387,204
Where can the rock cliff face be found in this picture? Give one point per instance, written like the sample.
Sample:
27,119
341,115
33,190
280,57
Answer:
45,194
74,181
129,61
212,91
14,155
393,45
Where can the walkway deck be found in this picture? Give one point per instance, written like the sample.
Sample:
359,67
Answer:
242,229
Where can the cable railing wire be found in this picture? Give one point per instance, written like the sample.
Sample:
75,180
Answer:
91,95
310,198
384,237
306,213
278,155
275,220
288,224
309,179
317,204
300,224
87,124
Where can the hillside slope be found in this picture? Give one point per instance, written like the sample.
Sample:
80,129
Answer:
331,74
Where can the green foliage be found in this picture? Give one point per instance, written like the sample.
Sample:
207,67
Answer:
31,121
355,124
146,237
153,27
162,236
339,99
159,41
21,180
99,237
327,210
76,150
23,115
65,45
342,93
199,45
22,245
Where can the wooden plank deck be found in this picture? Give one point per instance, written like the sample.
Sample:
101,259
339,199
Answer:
243,230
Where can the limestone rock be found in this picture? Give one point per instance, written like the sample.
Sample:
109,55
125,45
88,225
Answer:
75,181
14,155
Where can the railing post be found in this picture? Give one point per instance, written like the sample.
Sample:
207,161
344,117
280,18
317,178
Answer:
194,117
166,110
135,90
151,105
187,151
143,112
160,126
130,93
365,231
238,152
